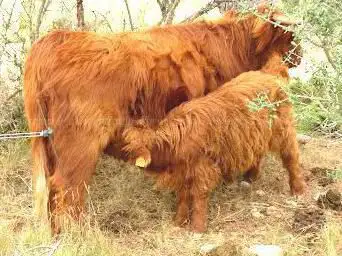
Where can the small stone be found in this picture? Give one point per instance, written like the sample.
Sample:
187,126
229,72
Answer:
256,214
245,185
303,139
260,192
272,211
208,248
292,203
266,250
333,196
197,236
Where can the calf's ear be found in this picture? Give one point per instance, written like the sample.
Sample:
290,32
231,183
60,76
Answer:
176,97
142,162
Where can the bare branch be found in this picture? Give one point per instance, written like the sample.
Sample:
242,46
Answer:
326,51
42,10
129,15
7,25
171,12
207,8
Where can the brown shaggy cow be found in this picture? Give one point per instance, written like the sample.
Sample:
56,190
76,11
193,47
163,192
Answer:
87,87
219,136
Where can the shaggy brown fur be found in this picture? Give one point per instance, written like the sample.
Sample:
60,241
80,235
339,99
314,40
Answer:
218,136
87,86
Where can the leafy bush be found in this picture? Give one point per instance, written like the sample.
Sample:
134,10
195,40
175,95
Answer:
319,100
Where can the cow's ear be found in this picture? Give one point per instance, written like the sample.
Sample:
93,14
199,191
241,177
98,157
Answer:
176,97
263,35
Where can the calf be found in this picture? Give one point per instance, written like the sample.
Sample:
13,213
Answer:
219,136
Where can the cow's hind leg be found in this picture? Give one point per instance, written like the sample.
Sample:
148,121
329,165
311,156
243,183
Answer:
76,157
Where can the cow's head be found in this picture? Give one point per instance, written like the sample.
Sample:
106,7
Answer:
272,33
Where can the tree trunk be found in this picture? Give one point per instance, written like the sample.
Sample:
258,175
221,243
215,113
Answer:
80,14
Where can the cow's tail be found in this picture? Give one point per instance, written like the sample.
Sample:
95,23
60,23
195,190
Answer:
36,109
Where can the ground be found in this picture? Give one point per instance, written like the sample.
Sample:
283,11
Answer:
127,216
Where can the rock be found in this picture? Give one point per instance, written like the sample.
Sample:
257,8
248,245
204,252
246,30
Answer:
208,249
308,220
227,249
245,185
333,196
303,139
196,236
331,199
322,176
260,192
292,203
273,211
256,214
265,250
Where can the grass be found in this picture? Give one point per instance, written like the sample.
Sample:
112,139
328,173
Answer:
127,216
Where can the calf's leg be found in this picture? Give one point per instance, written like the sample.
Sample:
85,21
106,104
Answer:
205,177
199,211
289,153
183,207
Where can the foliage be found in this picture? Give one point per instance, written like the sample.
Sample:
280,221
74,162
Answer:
261,102
319,100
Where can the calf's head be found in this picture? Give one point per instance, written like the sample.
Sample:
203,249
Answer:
138,138
142,140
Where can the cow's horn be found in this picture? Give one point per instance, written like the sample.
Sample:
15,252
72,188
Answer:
282,19
142,162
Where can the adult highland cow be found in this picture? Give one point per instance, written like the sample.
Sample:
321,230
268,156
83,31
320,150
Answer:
86,87
216,137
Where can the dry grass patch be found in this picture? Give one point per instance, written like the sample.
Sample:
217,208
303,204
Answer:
127,216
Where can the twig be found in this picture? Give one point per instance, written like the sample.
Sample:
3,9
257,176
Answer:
329,58
129,15
54,248
211,5
13,95
104,19
10,17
